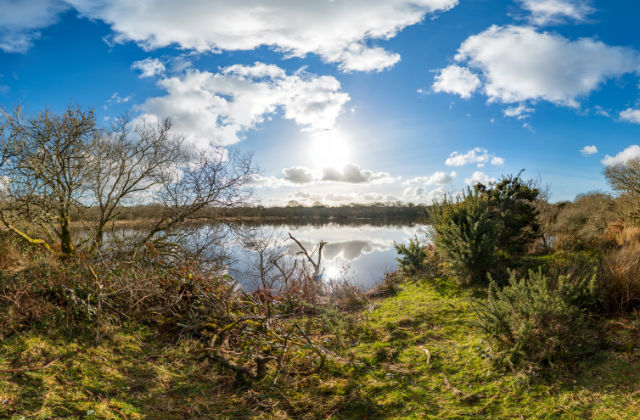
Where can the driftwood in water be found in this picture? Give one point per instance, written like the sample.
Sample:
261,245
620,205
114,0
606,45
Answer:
315,264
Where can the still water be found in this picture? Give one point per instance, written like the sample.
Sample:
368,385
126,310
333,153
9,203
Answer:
361,253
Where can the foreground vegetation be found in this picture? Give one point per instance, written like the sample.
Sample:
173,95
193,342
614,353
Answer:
414,355
511,307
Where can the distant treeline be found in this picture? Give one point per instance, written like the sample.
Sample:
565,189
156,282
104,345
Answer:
377,211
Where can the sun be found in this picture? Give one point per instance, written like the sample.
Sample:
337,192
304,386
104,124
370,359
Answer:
329,148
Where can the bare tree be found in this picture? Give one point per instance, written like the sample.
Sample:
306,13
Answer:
127,163
54,164
204,180
624,177
45,173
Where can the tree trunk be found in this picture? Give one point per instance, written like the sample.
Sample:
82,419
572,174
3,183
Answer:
66,244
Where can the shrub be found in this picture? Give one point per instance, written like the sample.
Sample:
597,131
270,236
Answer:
486,230
536,320
413,256
465,236
513,204
581,224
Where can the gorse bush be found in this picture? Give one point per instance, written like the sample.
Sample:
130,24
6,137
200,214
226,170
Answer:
512,202
465,237
412,256
537,321
487,229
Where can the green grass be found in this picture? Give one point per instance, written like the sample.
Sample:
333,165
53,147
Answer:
413,355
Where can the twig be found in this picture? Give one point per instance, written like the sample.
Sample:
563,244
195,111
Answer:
313,346
282,355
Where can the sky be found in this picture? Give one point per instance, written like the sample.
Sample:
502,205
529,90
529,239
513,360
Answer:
350,100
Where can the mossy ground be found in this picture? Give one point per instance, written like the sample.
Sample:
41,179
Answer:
413,355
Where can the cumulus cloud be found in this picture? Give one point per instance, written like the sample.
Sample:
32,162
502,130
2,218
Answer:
423,194
589,150
261,181
353,174
497,161
479,177
545,12
437,178
149,67
22,21
298,175
218,108
457,80
338,31
520,64
630,115
477,156
631,152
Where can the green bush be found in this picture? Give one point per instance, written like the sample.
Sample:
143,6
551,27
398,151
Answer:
537,321
465,237
513,204
486,230
413,256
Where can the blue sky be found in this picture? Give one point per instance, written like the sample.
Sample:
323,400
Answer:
350,100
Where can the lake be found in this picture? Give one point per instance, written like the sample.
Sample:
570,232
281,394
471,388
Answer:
360,252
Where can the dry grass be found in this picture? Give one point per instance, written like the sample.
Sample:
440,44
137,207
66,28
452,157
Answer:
621,277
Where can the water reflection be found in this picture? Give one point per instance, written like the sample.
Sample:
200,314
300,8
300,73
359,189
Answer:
362,253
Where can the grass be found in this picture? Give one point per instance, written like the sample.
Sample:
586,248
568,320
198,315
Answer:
413,355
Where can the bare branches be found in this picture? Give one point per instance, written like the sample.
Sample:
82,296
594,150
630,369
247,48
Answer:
316,264
54,164
44,172
624,177
128,164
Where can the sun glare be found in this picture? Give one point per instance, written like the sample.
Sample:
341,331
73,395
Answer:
329,148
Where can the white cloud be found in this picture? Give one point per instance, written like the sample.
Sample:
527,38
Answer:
520,111
520,64
545,12
298,175
21,22
457,80
334,198
630,115
260,181
437,178
218,108
149,67
422,194
631,152
116,99
479,177
345,198
589,150
306,196
338,31
478,156
353,174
